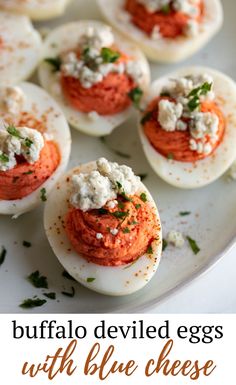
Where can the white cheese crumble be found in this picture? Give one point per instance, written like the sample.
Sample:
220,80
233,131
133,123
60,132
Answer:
189,7
114,231
26,142
11,100
90,68
203,126
99,236
95,189
175,238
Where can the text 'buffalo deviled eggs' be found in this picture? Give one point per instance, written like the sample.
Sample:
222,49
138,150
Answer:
94,75
188,128
36,9
34,147
20,48
104,228
166,30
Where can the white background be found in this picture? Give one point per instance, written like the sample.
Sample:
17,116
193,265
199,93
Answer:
14,353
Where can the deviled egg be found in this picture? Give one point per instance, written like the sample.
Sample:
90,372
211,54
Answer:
188,127
20,48
104,228
34,147
166,30
36,9
94,75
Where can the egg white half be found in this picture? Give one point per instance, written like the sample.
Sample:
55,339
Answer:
165,50
20,48
114,281
202,172
38,102
36,9
65,38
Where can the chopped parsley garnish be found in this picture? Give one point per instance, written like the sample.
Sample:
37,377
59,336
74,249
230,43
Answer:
138,206
109,56
195,94
38,281
103,211
3,254
136,95
43,195
120,214
50,295
117,152
184,213
146,117
164,244
143,176
90,280
31,303
125,197
54,62
170,156
14,132
126,230
66,275
150,249
134,223
143,197
119,185
193,245
28,142
166,9
28,172
121,205
26,244
69,294
4,158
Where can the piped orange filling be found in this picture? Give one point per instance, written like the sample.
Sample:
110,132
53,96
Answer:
108,97
136,232
175,145
171,24
25,178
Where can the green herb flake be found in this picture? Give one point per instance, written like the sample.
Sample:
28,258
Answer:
193,245
126,230
164,244
54,62
43,195
28,142
66,275
125,197
50,295
4,158
138,206
3,254
69,294
90,280
121,205
166,9
28,172
143,197
26,244
109,56
31,303
120,214
38,281
194,103
184,213
146,117
119,185
195,94
170,156
135,96
14,132
150,249
103,211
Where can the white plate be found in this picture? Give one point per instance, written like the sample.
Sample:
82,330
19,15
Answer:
212,222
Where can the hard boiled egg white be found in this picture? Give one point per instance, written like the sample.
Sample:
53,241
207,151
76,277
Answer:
64,38
36,9
115,281
20,48
202,172
164,50
41,105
